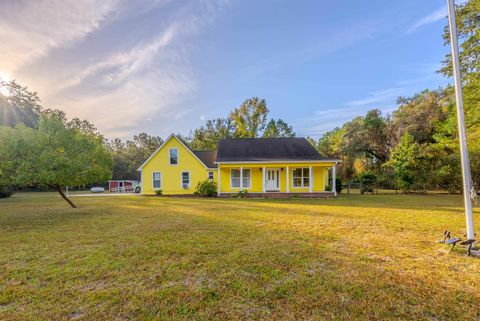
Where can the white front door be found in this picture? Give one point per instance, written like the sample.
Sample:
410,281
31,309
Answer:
272,180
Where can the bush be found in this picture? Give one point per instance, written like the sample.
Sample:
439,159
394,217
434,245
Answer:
240,194
338,185
158,192
206,189
5,192
367,179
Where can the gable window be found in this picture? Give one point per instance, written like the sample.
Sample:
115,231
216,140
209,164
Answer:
301,177
157,180
210,176
173,156
235,178
186,180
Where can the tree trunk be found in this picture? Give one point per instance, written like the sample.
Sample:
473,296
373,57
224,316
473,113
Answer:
58,188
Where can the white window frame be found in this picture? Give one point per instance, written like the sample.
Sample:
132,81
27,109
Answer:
181,179
153,180
213,175
170,156
242,175
302,177
238,177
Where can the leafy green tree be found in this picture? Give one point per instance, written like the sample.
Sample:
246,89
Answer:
250,118
55,154
19,106
468,28
278,128
128,156
206,137
420,115
368,136
405,162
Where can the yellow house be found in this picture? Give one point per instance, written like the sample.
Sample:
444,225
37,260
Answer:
259,166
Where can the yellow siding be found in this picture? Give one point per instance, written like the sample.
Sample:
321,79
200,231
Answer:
172,182
171,174
319,176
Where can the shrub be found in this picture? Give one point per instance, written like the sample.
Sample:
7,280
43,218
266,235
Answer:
5,192
158,192
367,179
338,185
240,194
206,189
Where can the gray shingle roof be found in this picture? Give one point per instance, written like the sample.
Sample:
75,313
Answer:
207,157
266,149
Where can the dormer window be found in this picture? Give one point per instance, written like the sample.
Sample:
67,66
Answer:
173,156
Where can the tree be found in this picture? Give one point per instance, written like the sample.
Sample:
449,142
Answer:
405,162
18,105
250,118
206,137
278,128
55,154
420,115
128,156
368,136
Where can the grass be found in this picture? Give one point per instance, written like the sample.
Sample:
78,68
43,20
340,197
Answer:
364,257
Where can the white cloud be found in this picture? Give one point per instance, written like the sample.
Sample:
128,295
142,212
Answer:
30,29
127,82
326,119
435,16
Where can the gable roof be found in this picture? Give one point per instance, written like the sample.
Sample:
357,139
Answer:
207,157
161,146
267,149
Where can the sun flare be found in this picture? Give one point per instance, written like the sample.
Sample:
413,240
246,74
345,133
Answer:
4,77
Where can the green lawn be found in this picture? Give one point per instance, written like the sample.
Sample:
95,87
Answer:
150,258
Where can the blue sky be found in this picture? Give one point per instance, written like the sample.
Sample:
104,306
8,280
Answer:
163,66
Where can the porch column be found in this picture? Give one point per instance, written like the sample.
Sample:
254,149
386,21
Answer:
334,176
241,178
310,180
263,179
288,180
218,179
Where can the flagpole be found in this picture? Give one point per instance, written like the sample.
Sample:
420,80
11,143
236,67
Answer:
467,179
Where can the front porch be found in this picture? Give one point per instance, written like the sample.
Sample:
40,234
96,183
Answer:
283,195
315,179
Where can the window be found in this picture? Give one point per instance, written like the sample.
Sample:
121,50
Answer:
173,156
235,178
157,180
186,180
301,177
210,176
246,178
